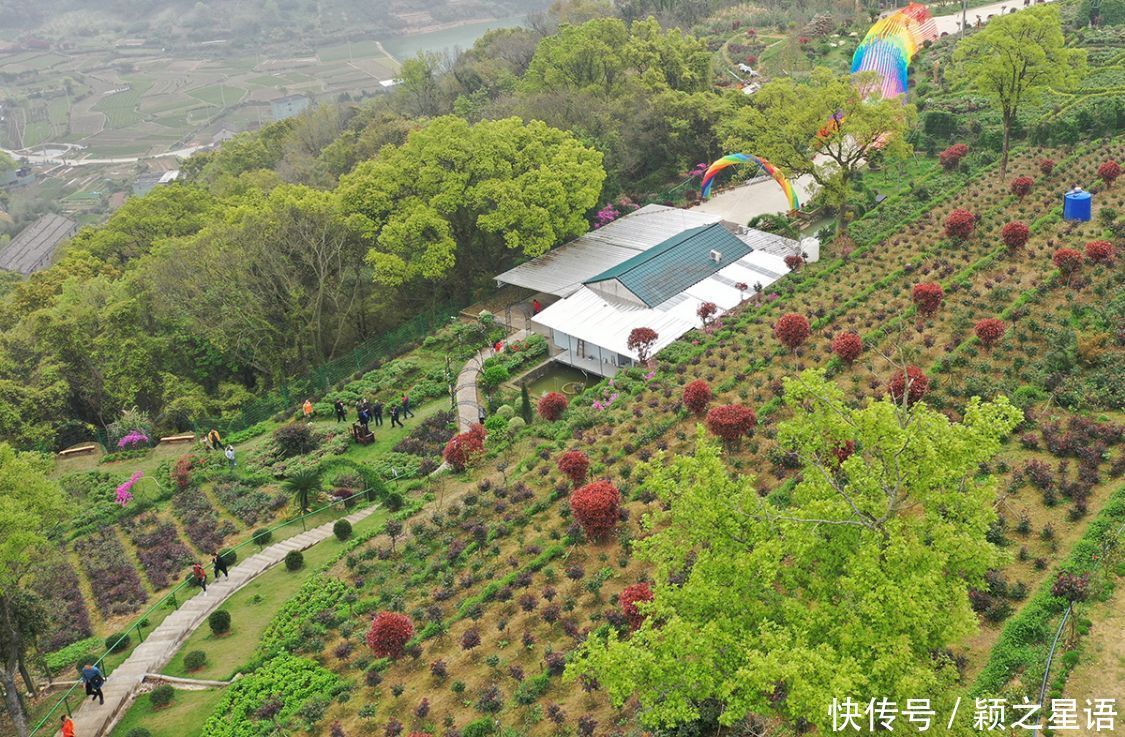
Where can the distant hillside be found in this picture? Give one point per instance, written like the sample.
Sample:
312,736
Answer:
172,22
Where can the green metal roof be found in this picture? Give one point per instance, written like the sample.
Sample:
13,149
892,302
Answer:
673,266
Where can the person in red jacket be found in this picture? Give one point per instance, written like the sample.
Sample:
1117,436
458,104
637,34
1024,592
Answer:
67,726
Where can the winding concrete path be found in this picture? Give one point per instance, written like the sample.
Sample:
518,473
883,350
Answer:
468,397
94,720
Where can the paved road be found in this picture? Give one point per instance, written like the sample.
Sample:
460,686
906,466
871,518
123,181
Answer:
952,23
63,160
94,720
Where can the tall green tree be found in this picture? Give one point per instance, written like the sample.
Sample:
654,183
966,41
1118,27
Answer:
456,199
790,123
31,508
279,284
852,588
1015,59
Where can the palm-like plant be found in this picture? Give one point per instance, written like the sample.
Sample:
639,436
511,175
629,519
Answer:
302,485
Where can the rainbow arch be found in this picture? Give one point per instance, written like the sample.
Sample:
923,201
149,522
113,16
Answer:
891,43
732,159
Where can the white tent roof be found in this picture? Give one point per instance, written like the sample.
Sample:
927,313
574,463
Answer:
563,270
590,317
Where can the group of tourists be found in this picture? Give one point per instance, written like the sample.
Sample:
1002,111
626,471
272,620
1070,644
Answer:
213,441
368,412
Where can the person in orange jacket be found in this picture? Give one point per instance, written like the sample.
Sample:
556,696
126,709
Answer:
67,726
308,407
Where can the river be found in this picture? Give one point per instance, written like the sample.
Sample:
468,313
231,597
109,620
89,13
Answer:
460,37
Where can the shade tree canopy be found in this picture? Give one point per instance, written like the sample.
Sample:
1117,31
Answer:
784,122
454,200
850,588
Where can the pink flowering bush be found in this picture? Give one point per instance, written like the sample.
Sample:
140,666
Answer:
132,440
124,491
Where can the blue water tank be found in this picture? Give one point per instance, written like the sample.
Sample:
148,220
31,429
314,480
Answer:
1076,206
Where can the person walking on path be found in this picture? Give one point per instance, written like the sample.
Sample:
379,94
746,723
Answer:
214,438
378,413
67,726
200,575
308,408
394,416
93,679
341,413
480,414
220,565
406,406
230,455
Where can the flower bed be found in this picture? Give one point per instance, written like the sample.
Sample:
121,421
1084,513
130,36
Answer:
272,694
162,554
247,503
428,438
200,520
69,620
112,576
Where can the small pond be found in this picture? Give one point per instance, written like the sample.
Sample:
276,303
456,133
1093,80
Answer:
561,378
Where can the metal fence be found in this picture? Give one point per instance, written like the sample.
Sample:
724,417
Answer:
172,599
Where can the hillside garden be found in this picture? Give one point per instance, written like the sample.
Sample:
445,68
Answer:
570,568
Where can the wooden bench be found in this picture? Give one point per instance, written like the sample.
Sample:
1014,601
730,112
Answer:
78,450
185,438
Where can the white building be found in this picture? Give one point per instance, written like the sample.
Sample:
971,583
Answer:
652,268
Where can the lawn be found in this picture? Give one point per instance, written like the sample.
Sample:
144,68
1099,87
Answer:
184,717
252,608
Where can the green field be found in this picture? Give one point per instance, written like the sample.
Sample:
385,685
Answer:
122,109
219,95
346,52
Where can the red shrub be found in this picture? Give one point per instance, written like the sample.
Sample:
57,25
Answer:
1100,252
706,311
1021,186
951,157
1108,172
574,464
470,638
552,405
927,297
914,379
731,422
634,593
389,633
1015,234
794,262
697,395
990,330
596,506
181,472
960,223
1046,166
464,448
641,341
1067,260
847,346
792,330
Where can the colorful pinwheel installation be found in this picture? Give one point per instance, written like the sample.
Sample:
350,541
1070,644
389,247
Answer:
890,45
767,167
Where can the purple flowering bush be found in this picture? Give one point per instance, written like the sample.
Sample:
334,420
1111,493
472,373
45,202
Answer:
159,548
200,520
117,587
69,619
